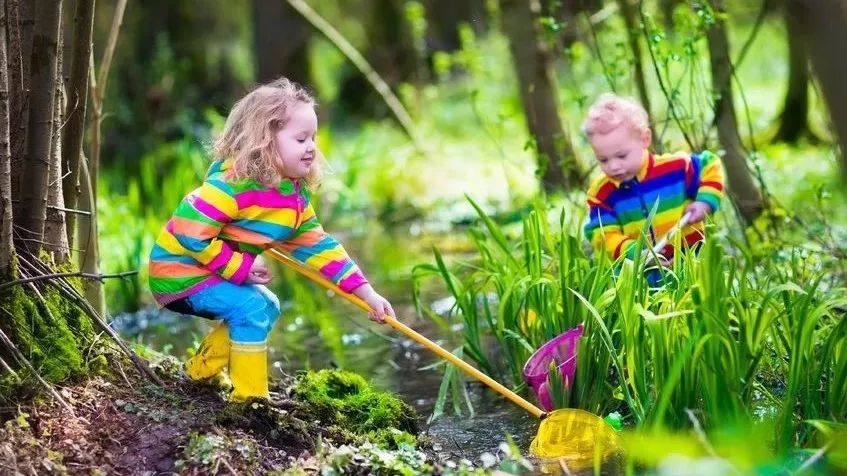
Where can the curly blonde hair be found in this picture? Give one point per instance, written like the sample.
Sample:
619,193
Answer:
248,137
610,111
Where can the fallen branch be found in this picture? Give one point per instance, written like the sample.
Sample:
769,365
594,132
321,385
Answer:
99,277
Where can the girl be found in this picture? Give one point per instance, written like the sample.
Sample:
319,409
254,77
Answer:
256,194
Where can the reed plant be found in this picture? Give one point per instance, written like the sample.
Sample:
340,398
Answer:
731,339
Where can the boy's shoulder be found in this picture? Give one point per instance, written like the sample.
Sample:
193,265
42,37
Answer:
678,157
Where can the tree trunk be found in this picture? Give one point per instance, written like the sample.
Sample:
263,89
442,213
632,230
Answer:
793,121
89,243
281,39
445,17
823,28
391,52
634,29
40,125
74,129
19,33
557,162
741,188
7,249
55,233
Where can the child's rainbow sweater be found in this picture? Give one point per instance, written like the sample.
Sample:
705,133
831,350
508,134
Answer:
219,228
618,211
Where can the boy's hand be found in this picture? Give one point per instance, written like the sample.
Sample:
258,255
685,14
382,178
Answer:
378,304
259,272
698,211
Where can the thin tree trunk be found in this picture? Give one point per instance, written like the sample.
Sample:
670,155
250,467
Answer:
7,249
280,42
793,121
823,26
741,188
74,129
633,28
557,160
89,254
55,233
19,27
444,18
390,50
88,236
40,129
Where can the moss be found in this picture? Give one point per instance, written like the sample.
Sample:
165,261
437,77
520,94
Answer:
392,438
345,399
46,332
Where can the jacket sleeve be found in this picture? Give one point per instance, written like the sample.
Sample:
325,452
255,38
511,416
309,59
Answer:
198,221
705,178
604,231
316,248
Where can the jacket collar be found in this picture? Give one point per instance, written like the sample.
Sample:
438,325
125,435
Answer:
646,166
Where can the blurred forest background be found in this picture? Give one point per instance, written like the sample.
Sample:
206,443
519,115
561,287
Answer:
491,96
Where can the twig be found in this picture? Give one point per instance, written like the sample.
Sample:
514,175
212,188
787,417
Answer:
661,81
363,66
7,368
228,466
98,277
16,353
69,210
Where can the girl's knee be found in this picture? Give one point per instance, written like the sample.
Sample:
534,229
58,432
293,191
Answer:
272,306
256,317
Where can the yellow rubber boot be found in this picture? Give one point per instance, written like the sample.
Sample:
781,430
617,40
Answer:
211,357
248,370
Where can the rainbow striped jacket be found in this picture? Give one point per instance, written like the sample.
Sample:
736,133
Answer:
219,228
618,211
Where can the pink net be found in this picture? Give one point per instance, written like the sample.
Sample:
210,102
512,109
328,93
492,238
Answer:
562,350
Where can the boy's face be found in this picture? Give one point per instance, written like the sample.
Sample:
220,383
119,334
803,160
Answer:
620,151
295,142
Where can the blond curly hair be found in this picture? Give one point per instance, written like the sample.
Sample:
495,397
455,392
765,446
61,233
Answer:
249,132
610,111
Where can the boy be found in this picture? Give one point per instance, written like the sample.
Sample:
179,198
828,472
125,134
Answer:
634,180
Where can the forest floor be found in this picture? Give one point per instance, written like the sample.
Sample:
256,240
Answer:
130,426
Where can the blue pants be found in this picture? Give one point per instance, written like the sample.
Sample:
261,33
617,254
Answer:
250,310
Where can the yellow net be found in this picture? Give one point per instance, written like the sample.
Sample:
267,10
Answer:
575,435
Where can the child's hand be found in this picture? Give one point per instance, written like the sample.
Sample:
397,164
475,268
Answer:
698,211
378,304
259,272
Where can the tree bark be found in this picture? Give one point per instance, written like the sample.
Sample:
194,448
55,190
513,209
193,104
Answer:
55,233
557,162
74,129
19,32
793,121
281,39
823,28
40,124
742,189
7,249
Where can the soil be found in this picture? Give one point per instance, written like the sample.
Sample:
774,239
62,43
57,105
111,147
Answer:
128,426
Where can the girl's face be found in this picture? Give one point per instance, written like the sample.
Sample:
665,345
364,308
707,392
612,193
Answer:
295,142
620,152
